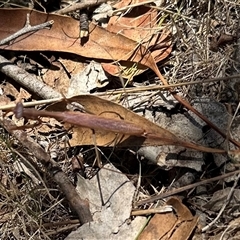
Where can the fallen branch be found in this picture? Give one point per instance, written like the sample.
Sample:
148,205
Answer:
79,205
27,80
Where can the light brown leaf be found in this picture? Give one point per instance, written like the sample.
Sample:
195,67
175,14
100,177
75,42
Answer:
171,226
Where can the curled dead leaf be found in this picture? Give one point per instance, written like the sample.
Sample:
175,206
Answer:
178,225
141,24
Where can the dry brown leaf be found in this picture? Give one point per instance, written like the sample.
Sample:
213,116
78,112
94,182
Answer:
137,24
141,25
59,79
23,94
10,90
159,225
171,226
64,37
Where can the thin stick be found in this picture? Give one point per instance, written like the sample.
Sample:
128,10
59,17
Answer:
122,90
163,209
185,188
166,87
224,205
79,6
27,29
32,104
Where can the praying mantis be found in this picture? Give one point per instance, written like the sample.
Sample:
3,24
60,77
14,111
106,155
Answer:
107,124
81,119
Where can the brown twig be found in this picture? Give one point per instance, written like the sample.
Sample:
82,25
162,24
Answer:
162,209
79,6
79,205
26,29
189,107
27,80
62,223
185,188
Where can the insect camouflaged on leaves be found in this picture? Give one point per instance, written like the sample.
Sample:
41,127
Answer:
110,125
82,120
